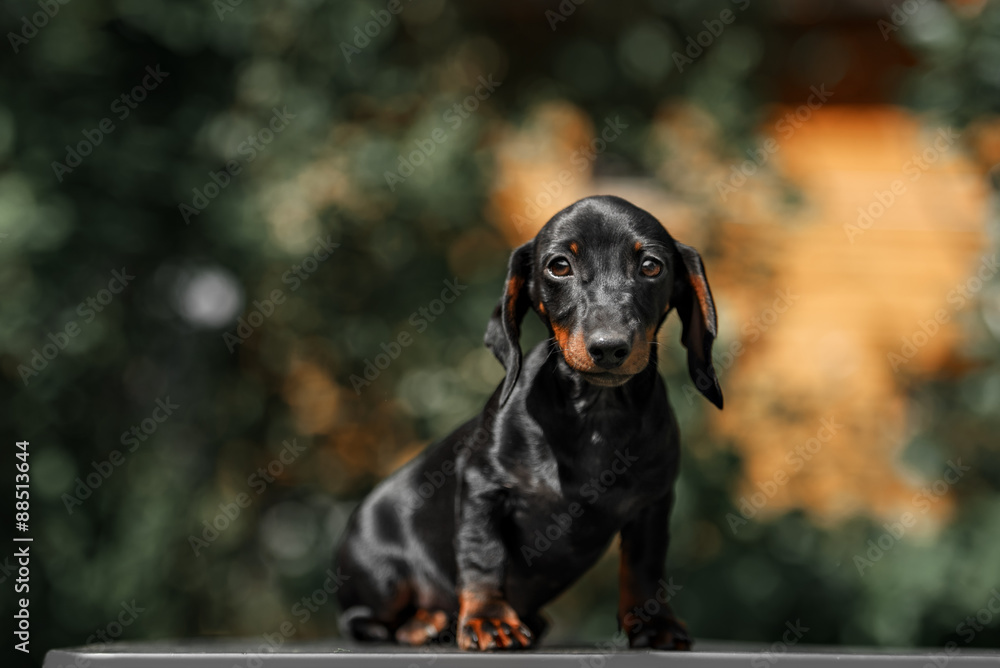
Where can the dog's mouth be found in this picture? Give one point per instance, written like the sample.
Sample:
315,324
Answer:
606,378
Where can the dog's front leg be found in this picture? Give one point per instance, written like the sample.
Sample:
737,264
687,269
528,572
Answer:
485,620
644,611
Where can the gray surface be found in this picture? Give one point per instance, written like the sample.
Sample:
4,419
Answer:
331,653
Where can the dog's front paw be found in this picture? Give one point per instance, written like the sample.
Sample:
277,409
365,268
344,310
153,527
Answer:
484,633
666,633
491,625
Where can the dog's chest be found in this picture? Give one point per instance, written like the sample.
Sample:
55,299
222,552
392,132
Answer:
603,469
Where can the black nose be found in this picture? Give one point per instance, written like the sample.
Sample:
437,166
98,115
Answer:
607,349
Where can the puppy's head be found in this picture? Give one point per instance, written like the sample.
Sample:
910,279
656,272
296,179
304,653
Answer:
603,274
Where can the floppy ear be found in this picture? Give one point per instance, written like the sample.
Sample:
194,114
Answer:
503,333
693,300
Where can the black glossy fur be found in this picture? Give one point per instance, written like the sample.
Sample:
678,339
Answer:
579,443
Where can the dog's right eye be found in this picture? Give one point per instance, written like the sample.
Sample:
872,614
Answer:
560,267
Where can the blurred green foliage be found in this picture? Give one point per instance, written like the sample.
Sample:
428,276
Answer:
323,176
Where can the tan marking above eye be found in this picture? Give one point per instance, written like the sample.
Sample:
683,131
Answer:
574,248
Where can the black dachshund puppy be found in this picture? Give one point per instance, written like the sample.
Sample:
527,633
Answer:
578,443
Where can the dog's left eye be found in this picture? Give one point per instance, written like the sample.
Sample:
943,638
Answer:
651,267
560,267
